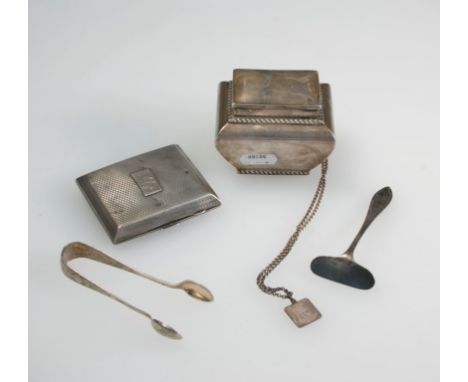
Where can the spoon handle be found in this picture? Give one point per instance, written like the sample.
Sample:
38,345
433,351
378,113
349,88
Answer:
379,202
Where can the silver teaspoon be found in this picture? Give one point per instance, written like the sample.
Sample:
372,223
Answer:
344,269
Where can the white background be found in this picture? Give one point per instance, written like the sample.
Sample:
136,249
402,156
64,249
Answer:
109,80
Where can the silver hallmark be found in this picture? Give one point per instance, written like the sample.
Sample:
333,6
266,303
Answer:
302,312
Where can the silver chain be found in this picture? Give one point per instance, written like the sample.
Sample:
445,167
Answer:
282,292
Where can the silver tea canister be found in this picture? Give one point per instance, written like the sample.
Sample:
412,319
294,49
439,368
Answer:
274,122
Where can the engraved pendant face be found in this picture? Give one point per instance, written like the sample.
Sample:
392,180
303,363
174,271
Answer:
302,312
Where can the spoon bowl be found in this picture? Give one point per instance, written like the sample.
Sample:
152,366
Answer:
195,290
165,330
343,270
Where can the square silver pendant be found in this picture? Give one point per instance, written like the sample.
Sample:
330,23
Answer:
150,191
302,312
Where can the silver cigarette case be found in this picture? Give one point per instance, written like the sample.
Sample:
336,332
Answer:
147,192
274,121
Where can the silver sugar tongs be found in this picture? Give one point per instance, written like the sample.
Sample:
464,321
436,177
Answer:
77,250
